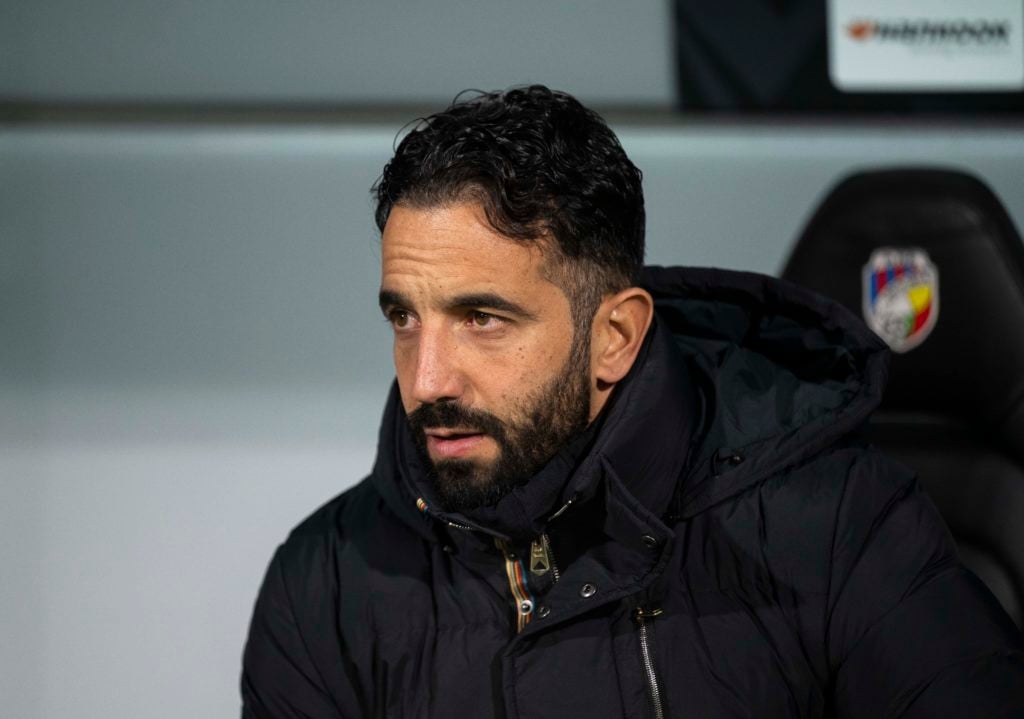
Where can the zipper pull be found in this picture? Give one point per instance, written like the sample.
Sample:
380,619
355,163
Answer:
540,561
643,613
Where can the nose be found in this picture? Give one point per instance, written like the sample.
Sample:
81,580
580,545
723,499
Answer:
438,377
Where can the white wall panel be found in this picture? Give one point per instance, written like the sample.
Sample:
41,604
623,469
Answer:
133,570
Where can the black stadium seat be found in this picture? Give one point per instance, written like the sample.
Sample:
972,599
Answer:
932,261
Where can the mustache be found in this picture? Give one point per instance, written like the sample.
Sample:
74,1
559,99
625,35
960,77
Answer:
450,415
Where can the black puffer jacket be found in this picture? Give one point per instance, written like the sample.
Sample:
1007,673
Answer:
724,546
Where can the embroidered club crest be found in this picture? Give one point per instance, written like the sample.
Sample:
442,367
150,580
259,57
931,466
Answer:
901,296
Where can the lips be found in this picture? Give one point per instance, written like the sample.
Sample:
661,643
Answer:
453,443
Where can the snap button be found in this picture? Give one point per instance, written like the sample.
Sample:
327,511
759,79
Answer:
543,611
588,590
525,606
649,541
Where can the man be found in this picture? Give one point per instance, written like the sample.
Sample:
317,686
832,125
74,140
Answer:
602,492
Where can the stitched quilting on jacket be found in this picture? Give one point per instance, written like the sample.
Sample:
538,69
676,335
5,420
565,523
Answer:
720,543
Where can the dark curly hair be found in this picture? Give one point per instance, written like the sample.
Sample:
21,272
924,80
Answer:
543,167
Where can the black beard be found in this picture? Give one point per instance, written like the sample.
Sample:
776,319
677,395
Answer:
551,416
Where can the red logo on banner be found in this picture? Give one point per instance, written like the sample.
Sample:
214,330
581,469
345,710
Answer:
861,30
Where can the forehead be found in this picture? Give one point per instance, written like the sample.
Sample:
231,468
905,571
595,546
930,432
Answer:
453,248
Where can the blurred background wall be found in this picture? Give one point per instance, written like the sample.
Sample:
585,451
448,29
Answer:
191,359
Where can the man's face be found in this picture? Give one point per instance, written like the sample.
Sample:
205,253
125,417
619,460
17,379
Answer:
489,372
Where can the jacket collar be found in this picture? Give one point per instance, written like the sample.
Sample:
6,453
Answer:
651,423
641,440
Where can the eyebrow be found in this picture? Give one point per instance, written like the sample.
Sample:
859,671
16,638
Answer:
491,301
390,298
488,300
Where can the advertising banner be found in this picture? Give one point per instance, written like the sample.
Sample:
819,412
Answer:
926,45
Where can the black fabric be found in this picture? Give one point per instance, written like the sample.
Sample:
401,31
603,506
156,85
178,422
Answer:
980,489
954,408
793,571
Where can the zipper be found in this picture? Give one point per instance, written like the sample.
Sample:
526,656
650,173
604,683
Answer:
643,617
542,561
564,507
542,558
421,505
456,525
551,555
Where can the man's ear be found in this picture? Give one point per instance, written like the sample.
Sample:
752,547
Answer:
620,325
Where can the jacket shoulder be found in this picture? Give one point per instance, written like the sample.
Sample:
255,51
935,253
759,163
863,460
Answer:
339,516
847,474
345,538
840,492
319,578
794,524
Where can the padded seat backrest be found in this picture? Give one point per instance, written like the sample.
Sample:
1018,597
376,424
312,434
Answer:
933,262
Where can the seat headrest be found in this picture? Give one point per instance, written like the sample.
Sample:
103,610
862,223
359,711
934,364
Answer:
932,261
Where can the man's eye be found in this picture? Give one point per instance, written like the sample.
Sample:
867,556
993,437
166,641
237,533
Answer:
483,319
399,318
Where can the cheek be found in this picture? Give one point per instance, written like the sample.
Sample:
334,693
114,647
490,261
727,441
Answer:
527,369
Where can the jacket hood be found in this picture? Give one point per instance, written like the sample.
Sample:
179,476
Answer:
740,376
783,373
